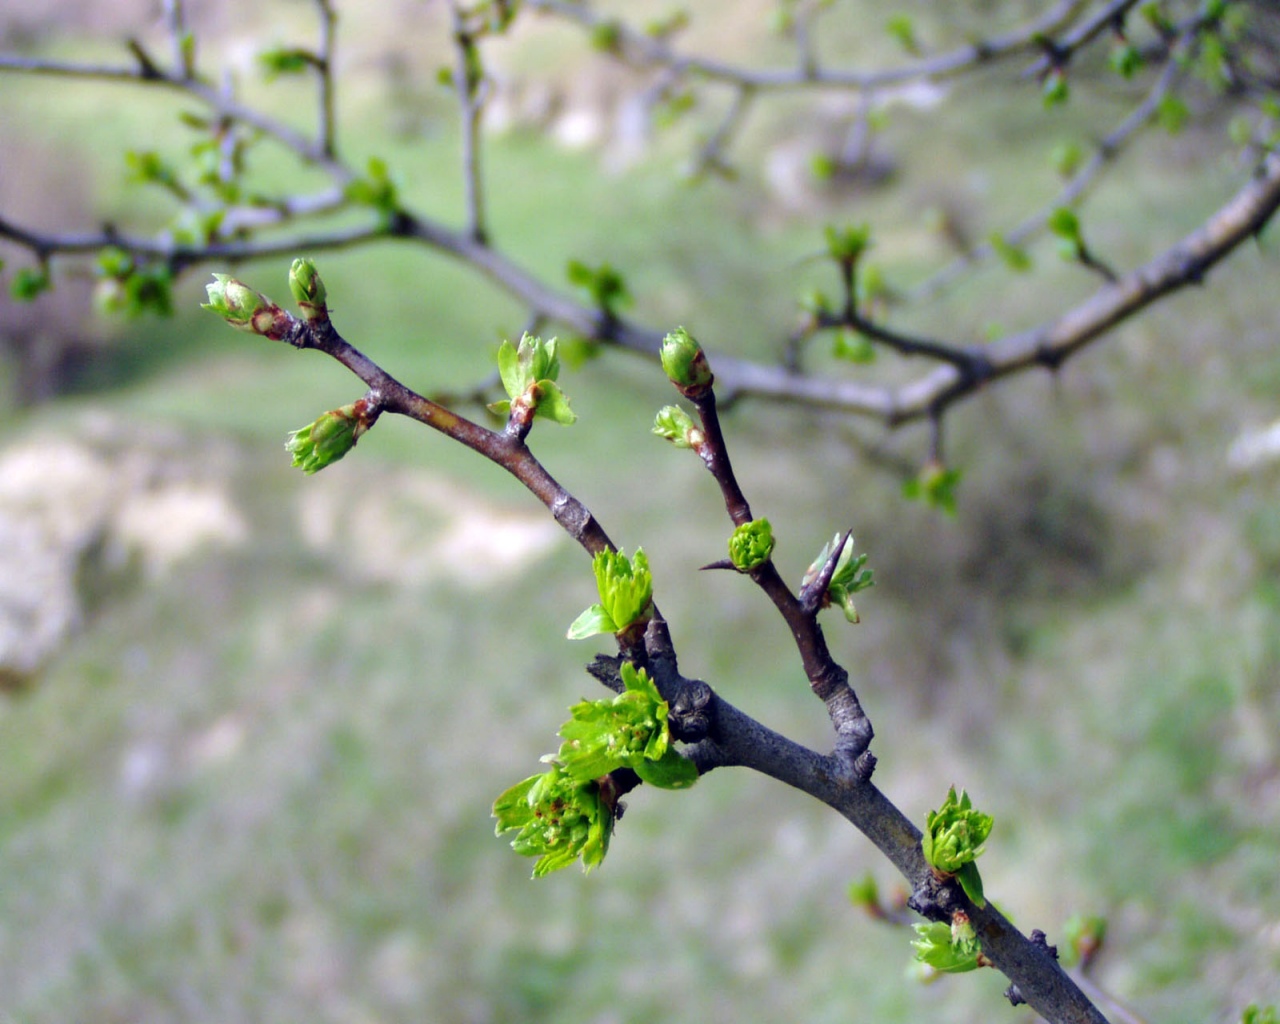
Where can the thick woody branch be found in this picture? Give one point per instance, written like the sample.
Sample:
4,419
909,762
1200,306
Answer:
738,739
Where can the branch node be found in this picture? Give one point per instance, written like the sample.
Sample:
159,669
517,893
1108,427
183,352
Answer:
691,712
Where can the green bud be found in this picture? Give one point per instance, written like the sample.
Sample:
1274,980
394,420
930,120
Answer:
685,363
242,307
865,893
935,485
1082,937
308,290
751,545
329,438
1055,89
846,245
1064,223
676,426
559,820
626,593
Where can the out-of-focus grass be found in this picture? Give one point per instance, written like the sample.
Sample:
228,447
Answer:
258,790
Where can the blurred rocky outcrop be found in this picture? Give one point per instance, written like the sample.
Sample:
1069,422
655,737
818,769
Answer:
104,502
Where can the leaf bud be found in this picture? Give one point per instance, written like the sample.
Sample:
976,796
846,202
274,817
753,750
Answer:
326,440
685,363
751,545
242,307
308,290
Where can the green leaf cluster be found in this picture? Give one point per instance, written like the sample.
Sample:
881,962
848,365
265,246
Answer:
1055,91
751,545
376,188
947,948
132,287
528,376
903,30
559,820
935,486
1064,223
605,286
853,347
29,282
1125,59
566,813
850,576
285,60
625,586
627,731
243,308
328,439
1255,1014
953,838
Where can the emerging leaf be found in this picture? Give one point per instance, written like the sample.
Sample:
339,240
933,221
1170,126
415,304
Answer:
849,577
528,376
676,426
937,948
594,620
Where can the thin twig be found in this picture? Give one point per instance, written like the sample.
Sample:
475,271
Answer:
327,137
468,83
645,50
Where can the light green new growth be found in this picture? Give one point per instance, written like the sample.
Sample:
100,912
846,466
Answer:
625,586
528,376
684,362
953,838
563,814
751,545
242,307
329,438
948,948
559,820
308,290
850,575
627,731
677,426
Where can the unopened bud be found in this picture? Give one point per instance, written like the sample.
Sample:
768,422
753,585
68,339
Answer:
308,290
329,438
685,363
242,307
